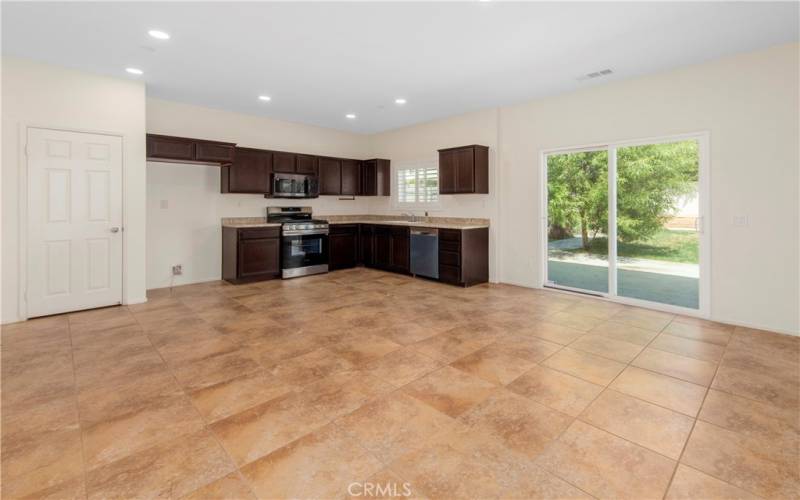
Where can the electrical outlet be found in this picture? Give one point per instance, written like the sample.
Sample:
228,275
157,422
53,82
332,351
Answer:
177,270
741,220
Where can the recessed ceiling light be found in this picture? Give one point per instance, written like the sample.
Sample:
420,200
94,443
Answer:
265,98
399,100
134,71
350,116
158,34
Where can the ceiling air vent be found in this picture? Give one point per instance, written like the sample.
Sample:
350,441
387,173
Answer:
595,74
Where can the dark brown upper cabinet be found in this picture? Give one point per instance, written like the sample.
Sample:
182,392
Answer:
285,163
464,170
187,150
307,164
375,178
351,173
160,147
249,172
330,176
214,152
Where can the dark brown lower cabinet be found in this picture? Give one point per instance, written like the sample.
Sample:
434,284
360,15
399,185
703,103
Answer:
250,254
343,246
464,256
366,245
386,247
401,250
382,247
463,253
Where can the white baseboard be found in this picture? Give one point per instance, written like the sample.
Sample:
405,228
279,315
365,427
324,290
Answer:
192,282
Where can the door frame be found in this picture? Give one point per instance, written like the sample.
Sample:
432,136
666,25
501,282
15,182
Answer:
703,139
23,203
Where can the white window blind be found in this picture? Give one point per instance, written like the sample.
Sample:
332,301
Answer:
418,185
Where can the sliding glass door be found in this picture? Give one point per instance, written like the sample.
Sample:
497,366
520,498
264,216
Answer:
577,220
626,221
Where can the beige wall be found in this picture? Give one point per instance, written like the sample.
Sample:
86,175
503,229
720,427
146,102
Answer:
749,105
47,96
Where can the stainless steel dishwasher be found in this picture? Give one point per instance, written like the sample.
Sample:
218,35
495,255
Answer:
425,252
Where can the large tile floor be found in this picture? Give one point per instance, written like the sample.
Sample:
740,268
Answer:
363,380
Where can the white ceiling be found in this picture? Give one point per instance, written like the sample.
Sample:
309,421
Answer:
319,61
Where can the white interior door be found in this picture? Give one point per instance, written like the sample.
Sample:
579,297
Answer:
74,221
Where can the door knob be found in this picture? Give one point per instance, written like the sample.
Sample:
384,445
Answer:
114,229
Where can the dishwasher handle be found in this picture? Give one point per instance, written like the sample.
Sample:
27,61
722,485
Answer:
424,231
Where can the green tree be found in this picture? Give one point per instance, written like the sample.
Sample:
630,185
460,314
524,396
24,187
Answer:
650,180
577,185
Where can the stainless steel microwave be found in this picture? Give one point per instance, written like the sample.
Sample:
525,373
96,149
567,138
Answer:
294,186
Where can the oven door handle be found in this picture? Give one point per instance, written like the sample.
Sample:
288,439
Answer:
307,232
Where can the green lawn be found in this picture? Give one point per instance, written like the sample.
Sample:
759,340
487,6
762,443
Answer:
672,246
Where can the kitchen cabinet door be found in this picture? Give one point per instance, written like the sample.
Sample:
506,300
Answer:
307,164
259,257
464,171
383,179
160,147
330,176
350,177
375,178
343,246
383,247
369,179
214,152
448,164
249,172
401,249
366,242
284,162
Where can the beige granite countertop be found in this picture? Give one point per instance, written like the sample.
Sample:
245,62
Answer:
394,220
246,222
389,220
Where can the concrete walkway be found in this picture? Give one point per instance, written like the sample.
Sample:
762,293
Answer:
629,263
656,287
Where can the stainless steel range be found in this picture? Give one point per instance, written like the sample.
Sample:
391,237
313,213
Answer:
304,241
